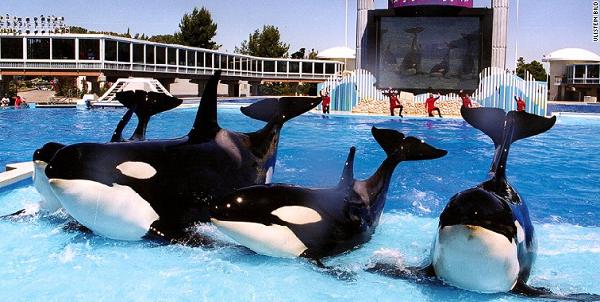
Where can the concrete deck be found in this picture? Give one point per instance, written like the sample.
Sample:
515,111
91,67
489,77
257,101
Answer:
15,173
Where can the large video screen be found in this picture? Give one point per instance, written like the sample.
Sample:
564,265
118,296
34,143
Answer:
440,53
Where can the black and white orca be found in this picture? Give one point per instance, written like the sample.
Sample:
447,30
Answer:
143,104
158,188
282,220
485,240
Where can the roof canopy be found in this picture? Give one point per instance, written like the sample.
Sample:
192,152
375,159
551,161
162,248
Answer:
571,54
337,53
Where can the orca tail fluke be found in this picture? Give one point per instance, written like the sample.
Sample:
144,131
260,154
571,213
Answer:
144,105
540,292
401,148
280,110
493,121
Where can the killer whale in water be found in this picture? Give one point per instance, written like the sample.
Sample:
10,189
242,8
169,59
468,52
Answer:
158,188
288,221
143,104
485,240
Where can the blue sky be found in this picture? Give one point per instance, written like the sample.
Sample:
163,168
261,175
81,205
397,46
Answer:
543,25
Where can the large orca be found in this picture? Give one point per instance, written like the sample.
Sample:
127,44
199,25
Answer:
143,104
158,188
288,221
485,240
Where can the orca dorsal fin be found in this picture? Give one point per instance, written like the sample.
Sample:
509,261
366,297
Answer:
206,125
347,177
144,105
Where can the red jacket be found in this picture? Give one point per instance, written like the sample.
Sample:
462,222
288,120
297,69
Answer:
466,101
394,102
430,103
520,104
326,101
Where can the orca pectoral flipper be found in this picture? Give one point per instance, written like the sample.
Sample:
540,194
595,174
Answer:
540,292
166,232
417,274
347,178
118,133
335,271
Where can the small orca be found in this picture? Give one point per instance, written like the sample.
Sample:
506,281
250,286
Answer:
144,105
411,63
159,188
41,158
485,240
282,220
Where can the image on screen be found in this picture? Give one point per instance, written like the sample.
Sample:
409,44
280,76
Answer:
429,52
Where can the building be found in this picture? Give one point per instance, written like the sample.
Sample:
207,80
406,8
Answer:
574,75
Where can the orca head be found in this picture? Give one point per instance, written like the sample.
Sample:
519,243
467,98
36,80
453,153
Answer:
41,157
263,219
46,152
481,208
476,247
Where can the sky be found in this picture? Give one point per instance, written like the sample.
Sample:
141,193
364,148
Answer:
542,26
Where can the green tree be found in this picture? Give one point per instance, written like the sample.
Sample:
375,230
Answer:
168,39
535,68
197,29
265,43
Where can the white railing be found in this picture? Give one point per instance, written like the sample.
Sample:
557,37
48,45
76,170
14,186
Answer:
146,56
497,88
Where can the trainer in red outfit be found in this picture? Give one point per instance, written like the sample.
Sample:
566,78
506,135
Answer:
326,100
520,103
466,101
430,105
395,103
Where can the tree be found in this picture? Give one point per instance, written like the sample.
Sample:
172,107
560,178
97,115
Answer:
197,29
265,43
535,68
167,39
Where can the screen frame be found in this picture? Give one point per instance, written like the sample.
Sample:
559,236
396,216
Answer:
373,30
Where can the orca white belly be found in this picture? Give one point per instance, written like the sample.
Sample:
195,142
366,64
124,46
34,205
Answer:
475,258
49,201
116,211
272,240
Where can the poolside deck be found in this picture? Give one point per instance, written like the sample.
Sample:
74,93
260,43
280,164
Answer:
15,173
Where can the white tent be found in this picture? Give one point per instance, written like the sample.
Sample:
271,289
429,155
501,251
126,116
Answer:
340,53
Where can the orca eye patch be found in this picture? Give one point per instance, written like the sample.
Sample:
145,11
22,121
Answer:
297,214
136,169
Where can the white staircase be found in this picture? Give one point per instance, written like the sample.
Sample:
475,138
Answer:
126,84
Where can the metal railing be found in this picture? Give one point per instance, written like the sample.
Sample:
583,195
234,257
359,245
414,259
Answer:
124,54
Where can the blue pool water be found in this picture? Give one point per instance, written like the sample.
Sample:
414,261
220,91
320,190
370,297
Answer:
557,173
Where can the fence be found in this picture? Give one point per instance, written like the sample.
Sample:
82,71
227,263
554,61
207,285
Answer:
497,88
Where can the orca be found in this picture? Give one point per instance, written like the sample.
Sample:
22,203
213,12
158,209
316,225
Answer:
143,104
485,240
287,221
157,189
411,63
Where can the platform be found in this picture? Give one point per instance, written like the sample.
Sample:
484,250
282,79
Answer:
15,173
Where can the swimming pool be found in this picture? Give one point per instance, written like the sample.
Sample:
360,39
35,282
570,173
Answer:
557,173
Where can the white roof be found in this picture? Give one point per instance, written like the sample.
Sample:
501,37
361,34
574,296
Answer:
571,54
339,52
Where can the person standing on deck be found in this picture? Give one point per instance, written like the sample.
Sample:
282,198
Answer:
430,105
520,103
325,101
466,101
394,103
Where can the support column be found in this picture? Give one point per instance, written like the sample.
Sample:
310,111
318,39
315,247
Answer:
201,85
233,88
363,7
5,85
499,33
254,88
